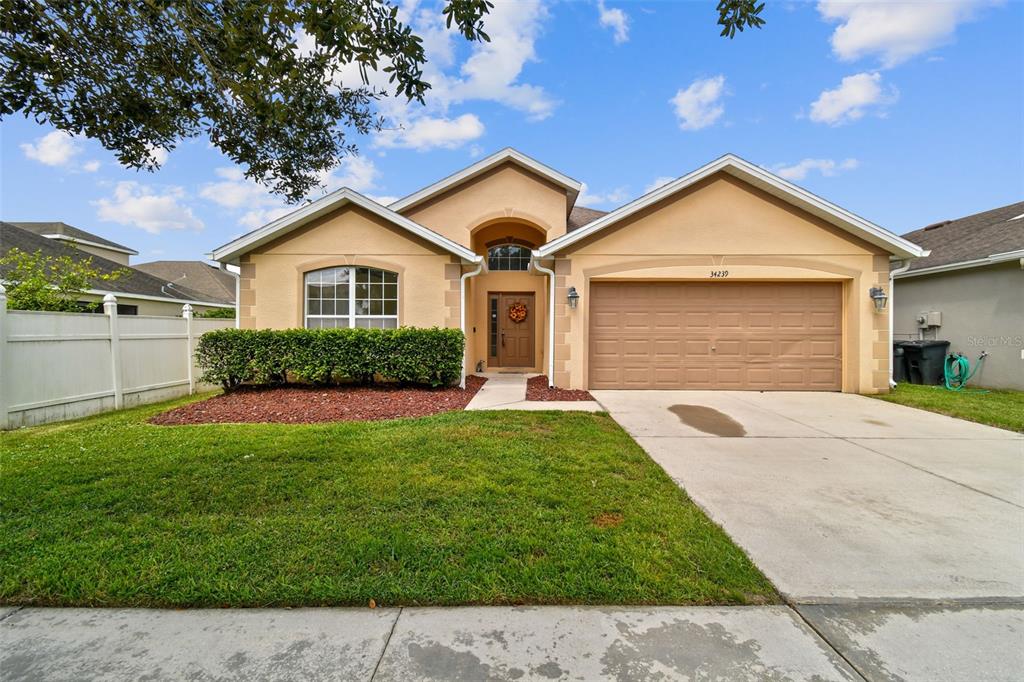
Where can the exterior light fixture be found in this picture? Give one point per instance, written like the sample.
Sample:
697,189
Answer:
879,297
574,297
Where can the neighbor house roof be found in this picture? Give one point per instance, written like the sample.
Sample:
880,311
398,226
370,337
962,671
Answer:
506,155
209,280
972,241
325,205
762,179
70,233
136,283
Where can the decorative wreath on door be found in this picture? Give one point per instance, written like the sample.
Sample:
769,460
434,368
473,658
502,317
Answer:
517,312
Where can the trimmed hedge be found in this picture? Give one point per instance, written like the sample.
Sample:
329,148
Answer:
412,355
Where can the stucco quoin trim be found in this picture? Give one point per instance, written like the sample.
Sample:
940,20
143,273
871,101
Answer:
325,205
762,179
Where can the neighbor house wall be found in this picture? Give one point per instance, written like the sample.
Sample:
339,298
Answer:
508,191
148,307
723,224
271,284
119,257
982,310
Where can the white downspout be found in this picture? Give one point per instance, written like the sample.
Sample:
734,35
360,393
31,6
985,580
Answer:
238,287
462,315
535,262
892,316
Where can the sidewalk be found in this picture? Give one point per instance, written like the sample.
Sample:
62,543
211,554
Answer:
508,392
912,642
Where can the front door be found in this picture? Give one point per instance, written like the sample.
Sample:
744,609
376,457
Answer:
514,329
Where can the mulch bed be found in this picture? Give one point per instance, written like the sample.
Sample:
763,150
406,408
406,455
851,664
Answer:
311,404
537,389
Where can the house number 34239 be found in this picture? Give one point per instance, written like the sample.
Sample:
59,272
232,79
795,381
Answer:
719,273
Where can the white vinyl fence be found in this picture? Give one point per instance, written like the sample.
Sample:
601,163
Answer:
56,366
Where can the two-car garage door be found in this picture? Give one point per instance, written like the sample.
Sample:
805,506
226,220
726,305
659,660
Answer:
716,335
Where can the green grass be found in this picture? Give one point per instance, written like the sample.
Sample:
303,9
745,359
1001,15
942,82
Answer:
459,508
1004,409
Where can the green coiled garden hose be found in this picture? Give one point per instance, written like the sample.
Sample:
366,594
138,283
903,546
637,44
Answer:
958,370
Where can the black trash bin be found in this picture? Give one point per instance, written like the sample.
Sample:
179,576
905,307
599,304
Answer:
899,362
925,361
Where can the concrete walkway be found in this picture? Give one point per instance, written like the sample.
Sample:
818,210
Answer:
514,643
508,392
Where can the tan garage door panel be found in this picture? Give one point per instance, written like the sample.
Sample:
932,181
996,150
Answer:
723,335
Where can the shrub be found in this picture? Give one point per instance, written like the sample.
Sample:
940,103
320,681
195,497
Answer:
218,313
231,357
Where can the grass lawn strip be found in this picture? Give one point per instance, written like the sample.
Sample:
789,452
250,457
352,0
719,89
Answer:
1001,408
457,508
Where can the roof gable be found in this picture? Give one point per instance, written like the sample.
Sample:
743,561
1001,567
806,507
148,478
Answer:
328,204
757,177
507,155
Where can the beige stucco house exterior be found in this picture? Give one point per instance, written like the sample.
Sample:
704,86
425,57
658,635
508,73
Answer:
728,277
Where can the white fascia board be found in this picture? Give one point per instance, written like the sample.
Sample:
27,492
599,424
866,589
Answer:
762,179
76,240
994,259
573,187
230,251
122,296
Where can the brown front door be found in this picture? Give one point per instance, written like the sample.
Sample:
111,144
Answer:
514,336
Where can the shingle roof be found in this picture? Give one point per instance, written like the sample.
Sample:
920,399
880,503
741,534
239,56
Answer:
213,283
71,232
581,215
971,237
135,282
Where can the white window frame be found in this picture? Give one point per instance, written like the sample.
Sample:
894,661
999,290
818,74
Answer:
503,244
352,316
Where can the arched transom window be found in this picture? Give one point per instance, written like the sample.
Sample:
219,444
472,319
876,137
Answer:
351,297
508,257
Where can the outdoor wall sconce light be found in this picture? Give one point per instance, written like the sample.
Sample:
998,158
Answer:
574,298
879,297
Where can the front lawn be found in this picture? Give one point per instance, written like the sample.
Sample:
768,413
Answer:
458,508
1004,409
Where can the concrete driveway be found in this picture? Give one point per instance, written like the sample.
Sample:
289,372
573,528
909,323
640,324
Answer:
842,496
898,534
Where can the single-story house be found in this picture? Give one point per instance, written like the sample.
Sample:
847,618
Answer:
969,291
728,277
211,282
137,292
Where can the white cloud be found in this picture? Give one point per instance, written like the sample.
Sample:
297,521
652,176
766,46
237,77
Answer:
53,149
158,155
383,199
139,206
428,132
616,196
699,106
851,99
91,166
894,31
659,181
616,20
827,167
259,206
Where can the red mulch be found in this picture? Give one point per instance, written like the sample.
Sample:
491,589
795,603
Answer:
537,389
310,404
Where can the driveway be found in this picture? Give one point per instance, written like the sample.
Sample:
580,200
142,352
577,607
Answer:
897,533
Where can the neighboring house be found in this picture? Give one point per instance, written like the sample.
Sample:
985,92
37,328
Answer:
213,283
138,293
970,291
726,278
85,241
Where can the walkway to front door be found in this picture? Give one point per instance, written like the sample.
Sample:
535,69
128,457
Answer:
511,332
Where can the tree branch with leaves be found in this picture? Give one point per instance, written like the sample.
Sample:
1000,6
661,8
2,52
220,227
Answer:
38,282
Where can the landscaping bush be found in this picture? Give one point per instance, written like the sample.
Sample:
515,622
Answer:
231,357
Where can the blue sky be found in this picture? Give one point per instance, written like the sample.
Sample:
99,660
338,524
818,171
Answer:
904,113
